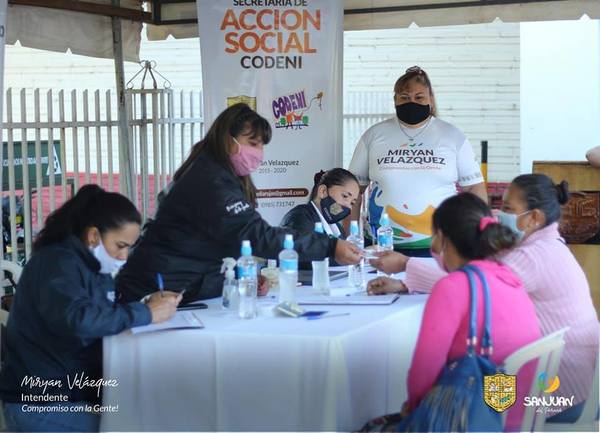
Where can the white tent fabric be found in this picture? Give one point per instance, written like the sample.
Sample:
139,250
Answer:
538,11
433,16
81,33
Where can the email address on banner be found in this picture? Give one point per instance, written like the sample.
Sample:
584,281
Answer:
277,193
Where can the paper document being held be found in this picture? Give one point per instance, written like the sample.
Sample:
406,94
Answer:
181,320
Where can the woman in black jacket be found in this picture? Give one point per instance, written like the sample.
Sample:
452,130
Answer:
331,200
207,212
61,311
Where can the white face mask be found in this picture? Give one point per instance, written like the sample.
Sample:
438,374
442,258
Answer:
108,264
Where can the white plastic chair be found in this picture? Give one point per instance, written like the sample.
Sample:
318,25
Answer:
587,420
11,267
548,351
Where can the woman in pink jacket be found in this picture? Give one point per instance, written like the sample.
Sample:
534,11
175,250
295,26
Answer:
464,232
551,276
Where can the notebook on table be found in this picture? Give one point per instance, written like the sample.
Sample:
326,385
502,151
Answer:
181,320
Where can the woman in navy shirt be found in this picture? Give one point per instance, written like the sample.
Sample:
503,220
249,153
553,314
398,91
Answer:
52,375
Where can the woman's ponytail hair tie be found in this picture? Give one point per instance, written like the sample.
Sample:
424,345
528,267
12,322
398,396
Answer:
319,176
486,221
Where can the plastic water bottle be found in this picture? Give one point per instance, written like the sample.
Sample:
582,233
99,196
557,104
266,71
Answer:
385,234
247,282
385,237
288,271
356,273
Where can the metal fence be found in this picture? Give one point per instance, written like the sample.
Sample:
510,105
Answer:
69,139
55,142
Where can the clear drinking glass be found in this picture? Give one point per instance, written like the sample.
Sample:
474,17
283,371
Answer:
320,277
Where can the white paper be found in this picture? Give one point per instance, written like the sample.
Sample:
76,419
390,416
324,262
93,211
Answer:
181,320
349,300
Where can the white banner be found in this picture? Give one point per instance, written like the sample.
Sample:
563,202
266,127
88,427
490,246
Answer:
2,40
283,58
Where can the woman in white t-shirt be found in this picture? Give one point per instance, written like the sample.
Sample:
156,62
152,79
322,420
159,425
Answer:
413,161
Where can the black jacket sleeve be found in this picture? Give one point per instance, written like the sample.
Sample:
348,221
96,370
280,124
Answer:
299,219
84,312
232,219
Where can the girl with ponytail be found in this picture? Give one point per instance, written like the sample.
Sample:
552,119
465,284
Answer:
61,310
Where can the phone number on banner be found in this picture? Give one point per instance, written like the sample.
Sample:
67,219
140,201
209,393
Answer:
286,203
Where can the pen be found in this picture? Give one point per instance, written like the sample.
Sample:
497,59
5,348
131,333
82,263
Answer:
325,316
160,283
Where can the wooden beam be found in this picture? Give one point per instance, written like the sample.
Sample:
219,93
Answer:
90,8
432,6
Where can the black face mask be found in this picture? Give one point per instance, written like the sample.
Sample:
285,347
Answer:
333,211
412,113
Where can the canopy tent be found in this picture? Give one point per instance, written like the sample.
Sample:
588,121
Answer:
178,18
66,28
60,25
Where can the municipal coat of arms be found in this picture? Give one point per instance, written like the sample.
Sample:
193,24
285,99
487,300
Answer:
500,391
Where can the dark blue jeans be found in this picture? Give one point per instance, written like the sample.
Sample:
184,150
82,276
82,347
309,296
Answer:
52,417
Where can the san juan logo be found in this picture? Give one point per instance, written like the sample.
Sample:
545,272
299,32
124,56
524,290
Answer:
547,386
250,101
548,404
500,391
292,111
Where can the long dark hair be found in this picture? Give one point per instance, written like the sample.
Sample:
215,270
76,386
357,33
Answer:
230,123
335,176
459,217
90,207
418,75
540,192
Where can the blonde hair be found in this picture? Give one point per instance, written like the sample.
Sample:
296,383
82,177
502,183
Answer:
417,75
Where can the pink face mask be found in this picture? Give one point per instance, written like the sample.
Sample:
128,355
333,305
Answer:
247,159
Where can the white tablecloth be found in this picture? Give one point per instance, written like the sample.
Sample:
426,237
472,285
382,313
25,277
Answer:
267,374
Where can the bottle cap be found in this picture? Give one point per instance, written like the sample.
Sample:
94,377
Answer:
385,220
288,243
319,228
354,227
228,267
246,248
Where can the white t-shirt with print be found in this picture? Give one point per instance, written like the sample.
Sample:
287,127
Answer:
411,178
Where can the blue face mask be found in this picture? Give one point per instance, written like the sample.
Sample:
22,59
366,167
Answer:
510,220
